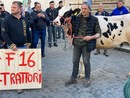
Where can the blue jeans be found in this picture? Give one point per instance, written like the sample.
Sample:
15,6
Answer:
36,36
77,52
19,47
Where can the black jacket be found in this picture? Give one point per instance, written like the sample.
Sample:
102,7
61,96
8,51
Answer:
92,27
39,23
14,31
3,15
52,13
104,13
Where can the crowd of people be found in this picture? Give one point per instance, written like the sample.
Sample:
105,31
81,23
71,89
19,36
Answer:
38,23
33,24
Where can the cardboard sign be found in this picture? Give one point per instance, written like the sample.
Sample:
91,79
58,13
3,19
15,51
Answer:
20,69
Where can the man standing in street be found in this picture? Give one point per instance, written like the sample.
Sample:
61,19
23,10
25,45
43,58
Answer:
15,30
52,30
40,21
3,15
86,30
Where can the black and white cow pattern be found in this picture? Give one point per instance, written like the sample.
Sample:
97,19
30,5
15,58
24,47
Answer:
115,29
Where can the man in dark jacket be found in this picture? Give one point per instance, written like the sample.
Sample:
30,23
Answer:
3,15
15,30
86,30
52,30
40,21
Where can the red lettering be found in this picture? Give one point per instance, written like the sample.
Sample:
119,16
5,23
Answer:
21,77
23,58
18,78
9,58
24,74
31,61
5,76
40,78
30,78
35,77
12,78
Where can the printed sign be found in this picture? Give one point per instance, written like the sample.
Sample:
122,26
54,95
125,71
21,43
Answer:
20,69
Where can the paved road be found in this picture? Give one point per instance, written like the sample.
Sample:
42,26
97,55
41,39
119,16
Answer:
108,76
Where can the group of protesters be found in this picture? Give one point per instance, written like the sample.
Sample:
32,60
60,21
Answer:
23,29
35,25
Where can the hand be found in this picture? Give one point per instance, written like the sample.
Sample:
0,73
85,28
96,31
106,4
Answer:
68,36
14,48
39,15
87,38
43,16
3,43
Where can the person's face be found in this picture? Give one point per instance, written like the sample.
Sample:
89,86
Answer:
100,8
52,5
38,7
119,4
61,4
3,8
85,10
15,9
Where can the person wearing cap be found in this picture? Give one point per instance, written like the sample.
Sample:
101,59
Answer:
120,9
52,29
101,12
86,30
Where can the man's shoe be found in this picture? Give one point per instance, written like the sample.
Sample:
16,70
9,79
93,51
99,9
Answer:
106,54
19,91
87,83
43,55
58,37
96,53
70,82
55,44
49,45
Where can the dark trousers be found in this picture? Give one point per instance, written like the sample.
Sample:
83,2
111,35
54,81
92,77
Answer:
60,31
77,52
36,36
52,31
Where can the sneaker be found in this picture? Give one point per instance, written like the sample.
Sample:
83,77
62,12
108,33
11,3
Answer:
70,82
87,83
19,91
55,44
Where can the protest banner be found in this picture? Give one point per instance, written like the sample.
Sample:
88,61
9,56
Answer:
20,69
